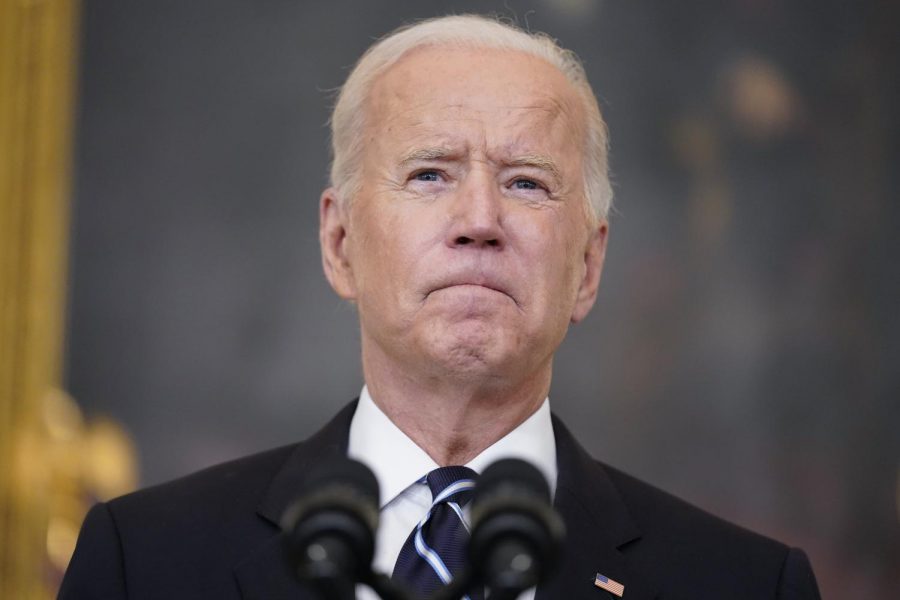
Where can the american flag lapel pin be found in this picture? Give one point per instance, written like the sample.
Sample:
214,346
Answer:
605,583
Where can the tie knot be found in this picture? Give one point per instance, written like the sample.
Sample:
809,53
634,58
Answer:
451,484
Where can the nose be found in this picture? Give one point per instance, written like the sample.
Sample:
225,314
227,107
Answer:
476,214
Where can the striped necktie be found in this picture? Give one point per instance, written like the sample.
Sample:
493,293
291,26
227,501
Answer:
435,550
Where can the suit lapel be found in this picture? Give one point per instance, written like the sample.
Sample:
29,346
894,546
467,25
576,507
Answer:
598,525
263,574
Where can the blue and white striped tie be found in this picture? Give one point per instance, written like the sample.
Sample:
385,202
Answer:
435,550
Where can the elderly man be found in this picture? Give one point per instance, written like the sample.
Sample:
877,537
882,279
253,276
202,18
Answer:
467,221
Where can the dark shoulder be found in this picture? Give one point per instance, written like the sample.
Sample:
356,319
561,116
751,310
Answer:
691,548
669,516
179,539
235,486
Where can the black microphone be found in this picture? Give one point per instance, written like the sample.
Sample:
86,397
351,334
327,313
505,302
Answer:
516,534
329,531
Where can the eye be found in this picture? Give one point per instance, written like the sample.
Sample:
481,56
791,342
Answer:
426,176
525,184
530,189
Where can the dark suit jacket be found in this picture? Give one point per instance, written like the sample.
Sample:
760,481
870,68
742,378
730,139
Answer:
214,535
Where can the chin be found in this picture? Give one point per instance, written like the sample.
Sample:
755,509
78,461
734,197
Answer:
475,354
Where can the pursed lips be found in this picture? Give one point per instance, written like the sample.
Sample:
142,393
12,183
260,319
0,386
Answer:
483,282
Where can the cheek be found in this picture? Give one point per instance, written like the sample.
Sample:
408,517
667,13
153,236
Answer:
555,256
378,258
387,249
550,245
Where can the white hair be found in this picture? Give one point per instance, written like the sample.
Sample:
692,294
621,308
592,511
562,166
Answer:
462,31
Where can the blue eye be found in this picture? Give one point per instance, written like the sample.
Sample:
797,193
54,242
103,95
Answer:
426,176
525,184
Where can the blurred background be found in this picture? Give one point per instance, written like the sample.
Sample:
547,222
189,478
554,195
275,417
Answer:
744,350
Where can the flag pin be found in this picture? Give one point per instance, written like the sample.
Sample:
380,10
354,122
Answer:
605,583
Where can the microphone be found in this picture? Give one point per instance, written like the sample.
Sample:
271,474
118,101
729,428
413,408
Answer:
328,532
516,535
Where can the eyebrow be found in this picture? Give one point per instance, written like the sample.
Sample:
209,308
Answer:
433,153
538,161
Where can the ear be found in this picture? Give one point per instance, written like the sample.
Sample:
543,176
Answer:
333,237
594,255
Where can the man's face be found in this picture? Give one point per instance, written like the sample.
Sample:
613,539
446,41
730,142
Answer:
467,248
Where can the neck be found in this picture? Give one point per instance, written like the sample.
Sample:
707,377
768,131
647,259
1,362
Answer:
453,417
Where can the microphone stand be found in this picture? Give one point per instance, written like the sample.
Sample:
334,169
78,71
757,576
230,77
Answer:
457,588
388,589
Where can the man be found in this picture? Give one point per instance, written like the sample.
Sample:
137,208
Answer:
467,220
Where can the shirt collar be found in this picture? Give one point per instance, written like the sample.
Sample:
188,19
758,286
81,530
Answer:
399,463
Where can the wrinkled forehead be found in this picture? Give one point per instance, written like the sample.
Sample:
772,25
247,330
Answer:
515,98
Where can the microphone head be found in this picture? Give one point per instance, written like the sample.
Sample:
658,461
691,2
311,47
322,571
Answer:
329,531
344,473
512,475
516,535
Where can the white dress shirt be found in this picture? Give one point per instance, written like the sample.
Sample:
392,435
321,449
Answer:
399,465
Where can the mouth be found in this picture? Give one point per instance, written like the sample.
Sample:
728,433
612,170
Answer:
476,284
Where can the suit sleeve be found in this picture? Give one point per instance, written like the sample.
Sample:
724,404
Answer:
797,581
97,566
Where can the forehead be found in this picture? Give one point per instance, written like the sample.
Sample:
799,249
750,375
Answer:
498,99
